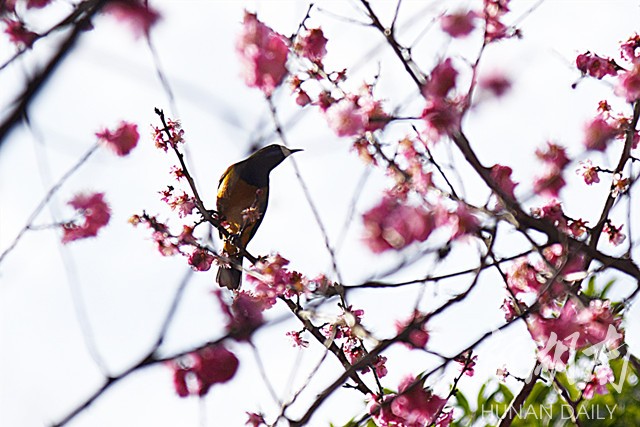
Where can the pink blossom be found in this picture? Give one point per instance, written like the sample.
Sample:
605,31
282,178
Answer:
458,24
629,49
207,367
302,98
393,225
245,315
412,406
578,227
18,33
596,66
345,117
552,211
187,237
494,11
312,45
263,54
176,135
415,405
418,336
7,6
589,172
442,117
463,221
296,338
255,420
554,155
442,80
135,13
421,180
495,83
274,280
509,309
619,185
379,365
200,260
467,363
375,117
616,237
574,328
602,376
96,213
629,84
550,183
122,140
523,277
598,133
501,176
182,202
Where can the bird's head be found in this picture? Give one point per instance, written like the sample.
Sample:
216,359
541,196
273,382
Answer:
270,156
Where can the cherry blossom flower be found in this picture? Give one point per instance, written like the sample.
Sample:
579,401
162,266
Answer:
136,13
549,184
18,33
619,185
463,221
467,362
589,172
263,54
122,140
200,260
96,213
418,336
458,24
602,376
501,175
394,225
578,227
296,338
495,83
442,117
182,202
205,368
575,328
345,117
502,373
176,135
616,237
595,66
302,98
629,84
493,12
442,80
552,211
255,420
415,405
629,49
312,45
598,133
553,155
509,309
523,277
355,114
274,280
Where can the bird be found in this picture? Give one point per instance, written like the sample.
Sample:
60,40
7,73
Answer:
243,195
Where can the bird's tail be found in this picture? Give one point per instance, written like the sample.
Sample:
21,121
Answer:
230,276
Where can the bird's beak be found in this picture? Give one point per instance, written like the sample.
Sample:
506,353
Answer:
287,152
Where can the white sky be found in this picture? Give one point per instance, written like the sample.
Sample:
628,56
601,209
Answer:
126,286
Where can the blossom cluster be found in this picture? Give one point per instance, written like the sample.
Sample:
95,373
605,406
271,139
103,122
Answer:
137,14
413,406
